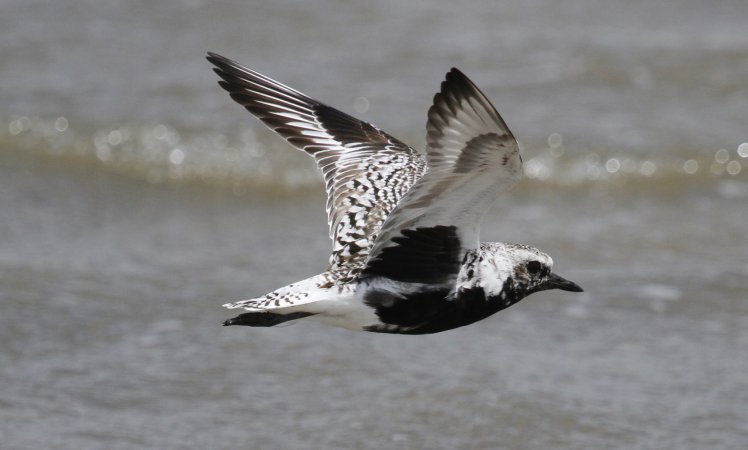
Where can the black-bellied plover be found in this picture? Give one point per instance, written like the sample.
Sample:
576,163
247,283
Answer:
406,254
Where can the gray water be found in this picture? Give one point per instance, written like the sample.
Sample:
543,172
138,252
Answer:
136,198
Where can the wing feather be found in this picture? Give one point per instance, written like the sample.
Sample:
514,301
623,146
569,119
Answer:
472,156
366,171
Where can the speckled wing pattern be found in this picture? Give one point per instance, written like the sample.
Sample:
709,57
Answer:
471,156
366,171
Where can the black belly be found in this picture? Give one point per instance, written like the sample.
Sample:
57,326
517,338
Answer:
430,311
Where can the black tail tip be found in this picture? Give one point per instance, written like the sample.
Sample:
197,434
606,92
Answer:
264,319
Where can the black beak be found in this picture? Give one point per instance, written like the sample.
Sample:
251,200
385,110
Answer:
556,282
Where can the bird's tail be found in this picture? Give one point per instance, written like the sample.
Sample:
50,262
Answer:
288,303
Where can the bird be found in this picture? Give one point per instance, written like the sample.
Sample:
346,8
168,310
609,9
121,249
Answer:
406,252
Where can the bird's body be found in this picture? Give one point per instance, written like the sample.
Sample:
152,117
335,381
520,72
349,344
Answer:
406,254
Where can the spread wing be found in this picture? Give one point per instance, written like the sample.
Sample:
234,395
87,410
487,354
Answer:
366,171
472,157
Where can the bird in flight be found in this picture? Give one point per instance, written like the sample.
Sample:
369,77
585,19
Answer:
406,253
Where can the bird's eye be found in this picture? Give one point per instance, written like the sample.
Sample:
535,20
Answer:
533,267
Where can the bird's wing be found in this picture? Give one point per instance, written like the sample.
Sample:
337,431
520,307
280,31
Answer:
366,171
471,157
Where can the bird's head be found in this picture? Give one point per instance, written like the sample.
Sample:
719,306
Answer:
522,270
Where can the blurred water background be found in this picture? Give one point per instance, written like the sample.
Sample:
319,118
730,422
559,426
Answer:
136,198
